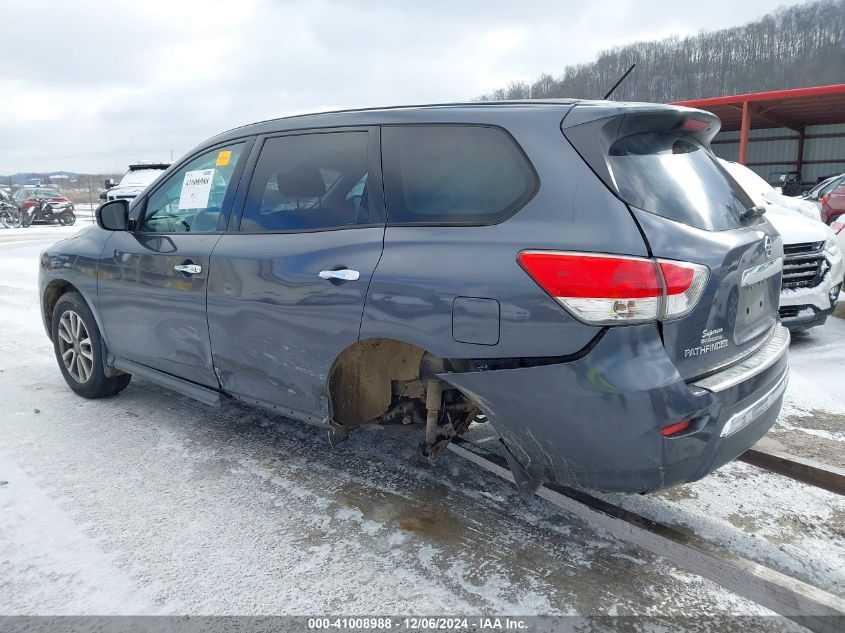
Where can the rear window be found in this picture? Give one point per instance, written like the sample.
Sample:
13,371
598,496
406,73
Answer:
453,174
676,177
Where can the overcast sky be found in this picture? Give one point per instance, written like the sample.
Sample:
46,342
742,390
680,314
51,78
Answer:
91,86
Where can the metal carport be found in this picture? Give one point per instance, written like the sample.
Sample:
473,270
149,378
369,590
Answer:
801,129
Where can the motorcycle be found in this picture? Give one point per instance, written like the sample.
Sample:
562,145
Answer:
43,211
9,215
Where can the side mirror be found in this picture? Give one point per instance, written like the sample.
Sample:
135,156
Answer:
114,215
109,183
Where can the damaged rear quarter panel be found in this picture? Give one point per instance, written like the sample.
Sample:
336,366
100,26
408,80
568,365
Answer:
570,422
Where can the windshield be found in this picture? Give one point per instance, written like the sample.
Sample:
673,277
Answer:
829,186
37,193
676,177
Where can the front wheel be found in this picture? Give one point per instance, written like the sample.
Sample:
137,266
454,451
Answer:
79,349
26,220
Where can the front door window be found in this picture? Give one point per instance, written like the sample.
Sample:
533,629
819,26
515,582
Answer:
192,199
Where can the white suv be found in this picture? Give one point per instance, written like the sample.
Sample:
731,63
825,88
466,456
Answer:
813,265
136,180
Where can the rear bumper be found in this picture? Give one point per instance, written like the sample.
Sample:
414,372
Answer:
595,422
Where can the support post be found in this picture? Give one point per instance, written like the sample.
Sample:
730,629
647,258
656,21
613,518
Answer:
799,154
743,133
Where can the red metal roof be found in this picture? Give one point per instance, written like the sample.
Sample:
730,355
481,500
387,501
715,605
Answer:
794,108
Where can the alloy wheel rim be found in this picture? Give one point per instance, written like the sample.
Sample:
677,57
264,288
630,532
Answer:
75,347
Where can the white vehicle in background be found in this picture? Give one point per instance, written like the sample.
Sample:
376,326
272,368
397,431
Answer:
813,266
135,180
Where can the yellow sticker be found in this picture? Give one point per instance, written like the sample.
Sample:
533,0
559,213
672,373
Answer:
223,158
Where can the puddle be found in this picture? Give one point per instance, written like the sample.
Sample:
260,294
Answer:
678,493
744,522
425,515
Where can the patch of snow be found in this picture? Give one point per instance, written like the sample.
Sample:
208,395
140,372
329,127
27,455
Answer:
785,524
798,293
828,435
50,566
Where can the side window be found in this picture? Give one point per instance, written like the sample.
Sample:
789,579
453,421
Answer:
310,182
191,200
453,174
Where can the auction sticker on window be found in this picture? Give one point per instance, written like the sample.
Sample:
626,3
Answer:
196,188
223,158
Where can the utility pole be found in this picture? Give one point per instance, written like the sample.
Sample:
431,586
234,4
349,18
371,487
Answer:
90,199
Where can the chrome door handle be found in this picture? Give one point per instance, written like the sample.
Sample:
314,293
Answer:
191,269
344,274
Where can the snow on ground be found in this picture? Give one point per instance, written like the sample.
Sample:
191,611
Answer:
779,522
812,423
152,503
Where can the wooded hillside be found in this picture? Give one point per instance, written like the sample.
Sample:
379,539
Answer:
802,45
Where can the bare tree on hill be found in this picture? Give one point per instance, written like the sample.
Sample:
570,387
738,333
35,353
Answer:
797,46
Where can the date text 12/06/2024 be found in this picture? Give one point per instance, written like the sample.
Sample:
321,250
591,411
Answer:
419,623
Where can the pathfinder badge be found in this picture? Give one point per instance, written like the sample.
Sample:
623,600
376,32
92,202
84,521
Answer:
711,340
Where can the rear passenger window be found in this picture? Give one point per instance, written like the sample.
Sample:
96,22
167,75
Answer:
310,182
453,174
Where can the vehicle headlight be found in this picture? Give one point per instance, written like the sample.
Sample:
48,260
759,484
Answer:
831,247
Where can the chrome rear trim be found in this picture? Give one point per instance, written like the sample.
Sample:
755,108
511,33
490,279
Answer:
759,273
758,362
740,420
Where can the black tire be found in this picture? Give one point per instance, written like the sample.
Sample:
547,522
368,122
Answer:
95,383
26,220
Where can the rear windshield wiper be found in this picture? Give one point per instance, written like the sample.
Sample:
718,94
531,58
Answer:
754,212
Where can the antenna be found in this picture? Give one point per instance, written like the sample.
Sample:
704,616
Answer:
621,79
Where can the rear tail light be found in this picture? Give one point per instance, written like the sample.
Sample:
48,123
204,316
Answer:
825,198
615,290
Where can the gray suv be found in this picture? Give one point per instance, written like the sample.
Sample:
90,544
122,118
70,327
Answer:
583,275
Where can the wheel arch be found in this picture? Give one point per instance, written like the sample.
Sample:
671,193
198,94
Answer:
53,291
359,381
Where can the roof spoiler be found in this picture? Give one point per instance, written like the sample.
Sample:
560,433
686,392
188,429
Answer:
592,130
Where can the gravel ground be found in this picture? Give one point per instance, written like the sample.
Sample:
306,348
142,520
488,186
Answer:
150,503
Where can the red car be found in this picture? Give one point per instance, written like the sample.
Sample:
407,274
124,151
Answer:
833,205
25,197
